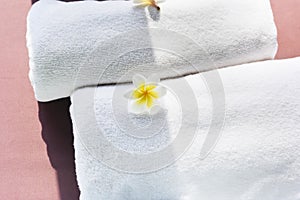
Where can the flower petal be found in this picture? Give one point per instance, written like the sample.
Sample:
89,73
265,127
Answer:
150,101
137,108
142,100
137,94
138,80
153,94
150,87
160,90
129,94
153,78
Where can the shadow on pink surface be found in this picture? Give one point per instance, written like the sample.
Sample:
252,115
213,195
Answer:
58,135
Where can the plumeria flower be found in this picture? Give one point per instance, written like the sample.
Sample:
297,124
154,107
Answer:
145,3
143,98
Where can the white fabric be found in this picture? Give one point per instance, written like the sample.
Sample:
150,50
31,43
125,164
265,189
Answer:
257,156
71,44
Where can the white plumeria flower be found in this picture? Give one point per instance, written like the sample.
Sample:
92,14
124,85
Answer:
146,3
143,98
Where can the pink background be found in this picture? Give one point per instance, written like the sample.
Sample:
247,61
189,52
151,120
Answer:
26,171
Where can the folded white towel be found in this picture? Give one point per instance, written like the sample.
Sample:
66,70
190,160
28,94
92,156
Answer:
257,156
72,45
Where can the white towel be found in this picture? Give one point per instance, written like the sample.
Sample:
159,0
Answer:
72,45
257,156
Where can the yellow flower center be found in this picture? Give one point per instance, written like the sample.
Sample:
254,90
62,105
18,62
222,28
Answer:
145,94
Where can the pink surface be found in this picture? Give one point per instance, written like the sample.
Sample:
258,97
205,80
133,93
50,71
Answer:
24,167
287,19
26,171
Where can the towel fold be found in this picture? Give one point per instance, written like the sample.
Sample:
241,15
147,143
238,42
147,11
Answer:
72,45
257,156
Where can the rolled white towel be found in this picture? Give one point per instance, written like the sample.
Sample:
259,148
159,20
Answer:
72,45
257,156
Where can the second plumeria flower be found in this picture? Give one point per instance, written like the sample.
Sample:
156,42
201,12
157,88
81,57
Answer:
144,97
145,3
